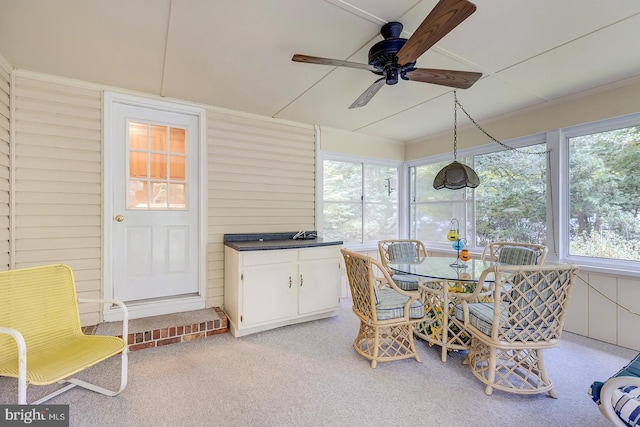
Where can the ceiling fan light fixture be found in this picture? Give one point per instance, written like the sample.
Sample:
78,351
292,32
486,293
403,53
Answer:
455,176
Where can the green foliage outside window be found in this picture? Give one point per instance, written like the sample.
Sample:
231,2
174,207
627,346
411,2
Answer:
604,187
509,204
511,198
360,201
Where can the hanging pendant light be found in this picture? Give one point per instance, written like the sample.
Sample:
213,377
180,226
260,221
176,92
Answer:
456,175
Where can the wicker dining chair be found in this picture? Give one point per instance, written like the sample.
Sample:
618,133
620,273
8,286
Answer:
440,329
402,250
509,334
387,316
515,253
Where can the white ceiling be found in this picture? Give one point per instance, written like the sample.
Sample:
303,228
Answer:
237,54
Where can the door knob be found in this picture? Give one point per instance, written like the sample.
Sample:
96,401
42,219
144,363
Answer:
119,218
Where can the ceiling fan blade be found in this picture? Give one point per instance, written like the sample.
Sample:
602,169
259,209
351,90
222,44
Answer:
452,78
444,17
368,94
336,62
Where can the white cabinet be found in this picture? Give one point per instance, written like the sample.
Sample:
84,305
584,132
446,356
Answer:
264,289
268,293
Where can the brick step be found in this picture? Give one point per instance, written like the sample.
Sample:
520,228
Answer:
167,329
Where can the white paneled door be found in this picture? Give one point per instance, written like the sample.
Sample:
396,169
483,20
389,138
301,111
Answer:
155,205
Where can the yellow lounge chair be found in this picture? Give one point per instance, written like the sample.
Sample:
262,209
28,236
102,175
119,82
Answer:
41,340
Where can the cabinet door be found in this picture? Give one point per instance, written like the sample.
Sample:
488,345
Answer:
269,293
319,285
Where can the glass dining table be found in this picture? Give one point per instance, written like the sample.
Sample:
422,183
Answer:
443,268
443,282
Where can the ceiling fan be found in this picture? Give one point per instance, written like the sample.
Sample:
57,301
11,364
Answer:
395,57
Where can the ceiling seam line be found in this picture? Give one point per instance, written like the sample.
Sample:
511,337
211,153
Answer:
567,42
166,47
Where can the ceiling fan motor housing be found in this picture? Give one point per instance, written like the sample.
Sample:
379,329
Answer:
383,54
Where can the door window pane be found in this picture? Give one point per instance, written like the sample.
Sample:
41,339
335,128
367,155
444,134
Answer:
178,138
157,167
159,194
177,193
158,138
177,167
138,136
137,164
138,197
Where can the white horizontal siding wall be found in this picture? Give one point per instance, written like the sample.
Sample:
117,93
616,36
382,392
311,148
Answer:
5,137
58,182
261,178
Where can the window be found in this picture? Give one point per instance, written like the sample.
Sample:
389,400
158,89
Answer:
575,190
157,158
431,210
511,202
604,194
509,205
360,201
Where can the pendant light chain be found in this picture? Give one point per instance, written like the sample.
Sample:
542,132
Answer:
457,103
455,126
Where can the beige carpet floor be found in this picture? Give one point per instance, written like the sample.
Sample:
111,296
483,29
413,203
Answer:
310,375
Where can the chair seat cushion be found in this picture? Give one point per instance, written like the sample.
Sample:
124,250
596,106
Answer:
481,318
632,369
391,306
626,403
406,282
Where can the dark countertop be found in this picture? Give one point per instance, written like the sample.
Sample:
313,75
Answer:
273,241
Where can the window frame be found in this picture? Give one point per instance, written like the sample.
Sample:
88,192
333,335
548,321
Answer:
523,142
401,192
609,266
557,197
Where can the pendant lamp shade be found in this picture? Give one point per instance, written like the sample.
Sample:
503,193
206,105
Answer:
455,176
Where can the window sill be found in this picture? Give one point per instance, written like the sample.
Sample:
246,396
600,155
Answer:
361,247
609,270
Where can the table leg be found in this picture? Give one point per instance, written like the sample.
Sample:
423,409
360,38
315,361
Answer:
437,328
445,321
